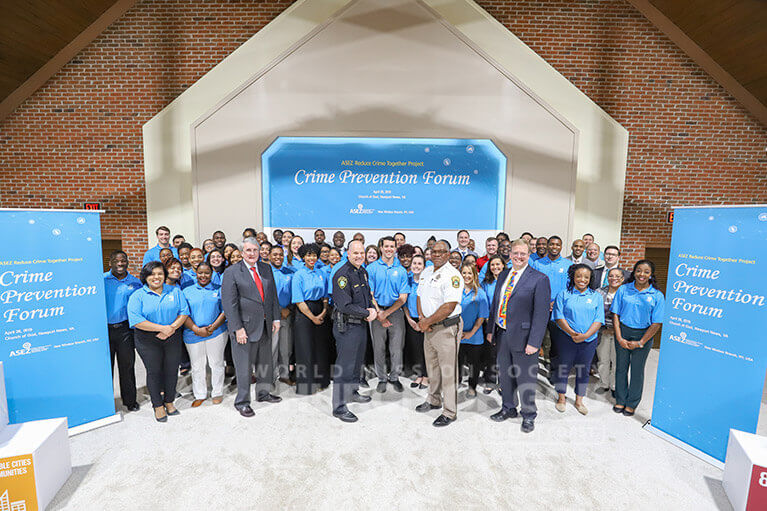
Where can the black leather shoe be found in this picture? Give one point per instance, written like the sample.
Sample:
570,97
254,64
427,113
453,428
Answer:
345,415
442,420
364,383
381,387
413,385
359,398
133,408
246,411
268,398
504,414
426,406
527,425
397,385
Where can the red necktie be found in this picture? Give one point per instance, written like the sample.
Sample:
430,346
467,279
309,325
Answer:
258,283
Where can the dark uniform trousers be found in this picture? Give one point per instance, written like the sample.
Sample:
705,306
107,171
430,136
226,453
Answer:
256,352
518,374
122,347
161,359
350,348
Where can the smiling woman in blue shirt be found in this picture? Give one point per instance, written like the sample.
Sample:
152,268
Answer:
156,312
475,309
579,313
493,268
309,290
637,316
205,336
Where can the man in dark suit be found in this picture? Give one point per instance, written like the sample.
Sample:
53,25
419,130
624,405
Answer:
249,300
518,318
612,260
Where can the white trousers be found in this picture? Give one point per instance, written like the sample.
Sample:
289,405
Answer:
606,362
212,352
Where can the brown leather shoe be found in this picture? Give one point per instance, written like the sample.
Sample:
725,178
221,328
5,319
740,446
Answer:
218,400
197,402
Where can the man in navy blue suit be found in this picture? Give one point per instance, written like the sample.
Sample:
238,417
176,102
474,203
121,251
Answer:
518,318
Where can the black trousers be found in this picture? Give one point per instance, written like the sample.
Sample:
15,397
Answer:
122,347
471,355
350,347
161,359
413,354
311,346
490,359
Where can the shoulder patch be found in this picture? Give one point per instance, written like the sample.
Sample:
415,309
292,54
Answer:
342,282
456,282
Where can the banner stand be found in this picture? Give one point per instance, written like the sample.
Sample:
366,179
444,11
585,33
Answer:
685,447
98,423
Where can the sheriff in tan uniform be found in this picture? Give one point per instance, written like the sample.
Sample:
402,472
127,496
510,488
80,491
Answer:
439,306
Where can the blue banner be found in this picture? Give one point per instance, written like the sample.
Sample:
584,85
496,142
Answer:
55,348
383,183
713,354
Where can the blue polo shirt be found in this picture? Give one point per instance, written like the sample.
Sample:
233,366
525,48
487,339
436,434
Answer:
387,281
163,309
153,254
489,289
638,309
412,297
473,306
187,280
117,293
204,308
556,271
580,310
215,278
534,257
308,285
282,281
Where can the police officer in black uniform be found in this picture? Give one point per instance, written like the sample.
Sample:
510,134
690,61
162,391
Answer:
353,308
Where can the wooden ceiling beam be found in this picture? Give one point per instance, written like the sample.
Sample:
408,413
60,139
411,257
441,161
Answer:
50,68
703,59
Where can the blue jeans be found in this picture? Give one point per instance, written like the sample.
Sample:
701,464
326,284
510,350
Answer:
573,354
630,393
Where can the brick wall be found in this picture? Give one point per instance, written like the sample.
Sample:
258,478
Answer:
690,143
79,137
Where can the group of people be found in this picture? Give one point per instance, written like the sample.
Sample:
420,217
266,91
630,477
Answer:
308,314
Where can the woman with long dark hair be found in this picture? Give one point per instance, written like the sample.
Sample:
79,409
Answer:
413,334
637,316
579,313
156,312
475,309
492,268
217,262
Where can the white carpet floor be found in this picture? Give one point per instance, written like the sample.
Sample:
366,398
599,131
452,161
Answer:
295,455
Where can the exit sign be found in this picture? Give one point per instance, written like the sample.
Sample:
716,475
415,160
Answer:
670,218
92,206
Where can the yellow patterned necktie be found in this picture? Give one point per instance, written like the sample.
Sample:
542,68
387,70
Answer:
505,301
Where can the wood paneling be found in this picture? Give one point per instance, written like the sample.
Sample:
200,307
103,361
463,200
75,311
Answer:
732,32
34,31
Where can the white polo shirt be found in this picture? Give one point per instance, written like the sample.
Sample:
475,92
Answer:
435,288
